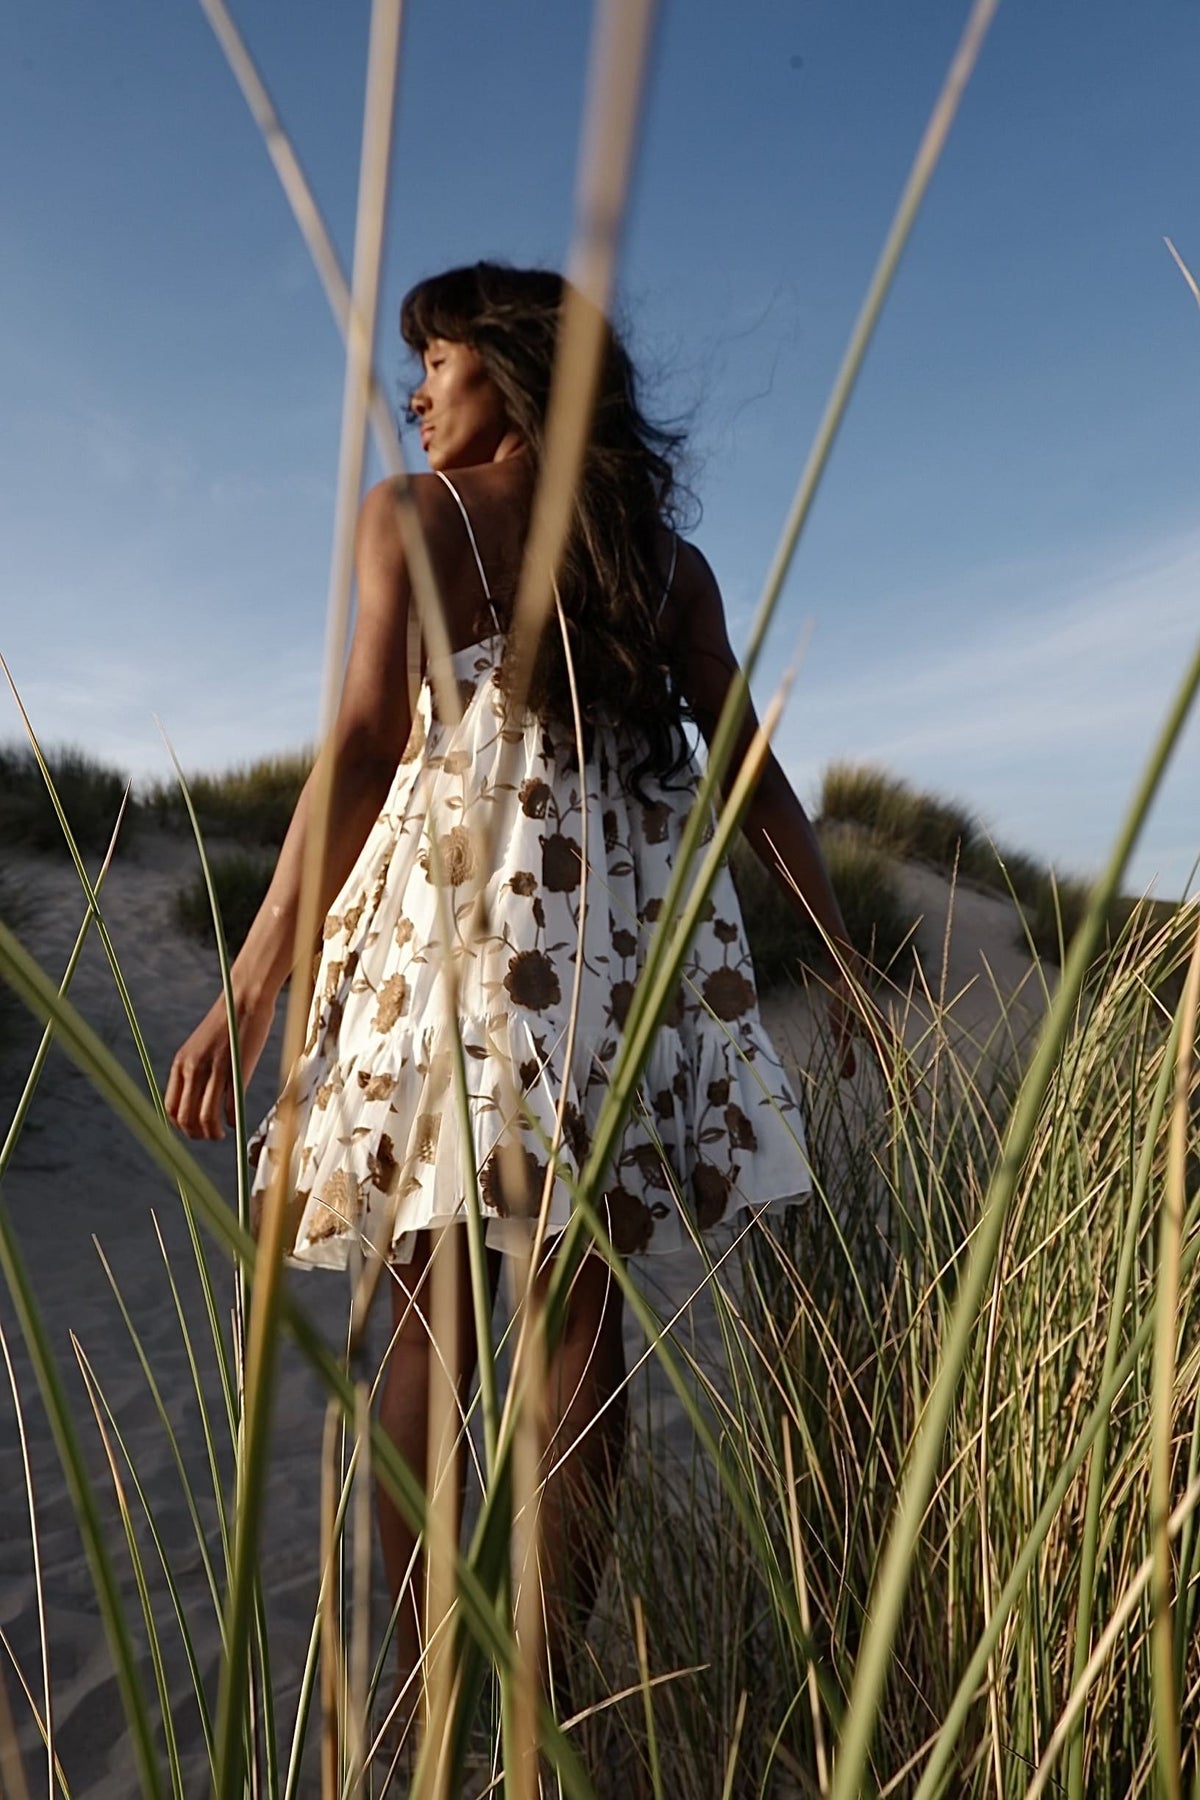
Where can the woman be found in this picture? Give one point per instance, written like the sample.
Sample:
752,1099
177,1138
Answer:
478,872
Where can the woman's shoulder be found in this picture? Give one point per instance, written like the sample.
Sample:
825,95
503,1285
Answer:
693,594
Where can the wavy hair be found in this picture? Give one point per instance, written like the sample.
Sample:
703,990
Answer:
609,578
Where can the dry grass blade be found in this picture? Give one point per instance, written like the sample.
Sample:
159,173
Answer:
429,616
1104,1647
382,71
1166,1695
1184,271
618,62
296,187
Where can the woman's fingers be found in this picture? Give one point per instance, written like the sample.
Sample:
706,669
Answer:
212,1101
188,1087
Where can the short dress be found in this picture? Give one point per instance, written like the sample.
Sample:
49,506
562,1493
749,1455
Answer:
498,809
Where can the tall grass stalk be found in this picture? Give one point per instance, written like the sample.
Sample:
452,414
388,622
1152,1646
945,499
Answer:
1166,1676
11,1772
262,1339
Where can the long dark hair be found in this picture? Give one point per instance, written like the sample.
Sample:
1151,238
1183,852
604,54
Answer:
609,577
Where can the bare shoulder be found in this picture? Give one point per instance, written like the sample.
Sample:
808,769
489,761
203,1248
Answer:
694,610
380,524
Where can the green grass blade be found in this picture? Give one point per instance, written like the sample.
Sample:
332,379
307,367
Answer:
58,1773
36,1549
1116,1315
102,1411
83,1502
161,1408
1166,1332
17,1123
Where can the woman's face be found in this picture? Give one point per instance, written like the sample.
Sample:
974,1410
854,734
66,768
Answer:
460,409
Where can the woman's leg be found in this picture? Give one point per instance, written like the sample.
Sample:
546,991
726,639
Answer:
404,1414
586,1410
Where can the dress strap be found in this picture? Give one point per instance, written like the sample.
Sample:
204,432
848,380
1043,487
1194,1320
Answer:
670,573
474,546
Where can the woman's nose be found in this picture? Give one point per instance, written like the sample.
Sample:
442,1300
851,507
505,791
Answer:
418,400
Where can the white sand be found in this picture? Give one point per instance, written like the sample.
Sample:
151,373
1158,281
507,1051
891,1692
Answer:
77,1172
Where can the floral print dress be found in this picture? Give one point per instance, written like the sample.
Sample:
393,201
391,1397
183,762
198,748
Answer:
466,916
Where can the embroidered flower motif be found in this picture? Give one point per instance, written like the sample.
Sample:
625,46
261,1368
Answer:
337,1208
648,1160
456,859
624,943
403,932
728,993
381,1165
741,1132
656,822
426,1134
630,1221
621,1000
535,798
456,762
524,882
710,1189
561,864
575,1131
390,1002
718,1091
505,1191
725,931
376,1087
532,980
611,830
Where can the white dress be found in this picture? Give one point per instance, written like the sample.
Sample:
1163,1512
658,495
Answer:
380,1150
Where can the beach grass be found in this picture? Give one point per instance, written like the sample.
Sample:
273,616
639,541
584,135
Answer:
252,804
91,793
948,836
240,879
784,945
935,1532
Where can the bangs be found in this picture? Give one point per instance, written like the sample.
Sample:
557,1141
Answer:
445,306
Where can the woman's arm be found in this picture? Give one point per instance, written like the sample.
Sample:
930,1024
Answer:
775,823
369,733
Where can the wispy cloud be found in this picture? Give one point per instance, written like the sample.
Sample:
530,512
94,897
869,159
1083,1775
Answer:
1052,698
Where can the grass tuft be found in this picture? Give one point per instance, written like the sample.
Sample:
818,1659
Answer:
864,878
90,793
241,879
252,804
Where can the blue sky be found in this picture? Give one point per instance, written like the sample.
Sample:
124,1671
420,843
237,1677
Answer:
999,585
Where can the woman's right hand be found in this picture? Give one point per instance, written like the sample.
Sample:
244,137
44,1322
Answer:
199,1096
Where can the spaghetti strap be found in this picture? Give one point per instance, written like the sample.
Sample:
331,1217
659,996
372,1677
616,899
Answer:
474,546
670,573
